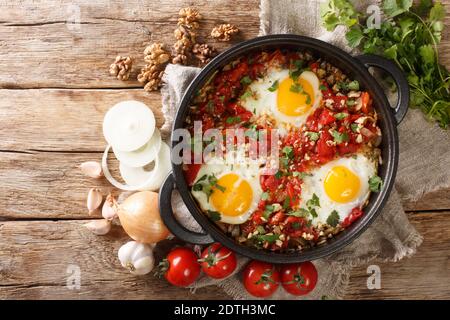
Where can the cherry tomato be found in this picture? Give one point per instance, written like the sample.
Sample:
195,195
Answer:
181,267
299,278
217,261
261,279
326,117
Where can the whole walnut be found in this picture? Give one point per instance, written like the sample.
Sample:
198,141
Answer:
224,32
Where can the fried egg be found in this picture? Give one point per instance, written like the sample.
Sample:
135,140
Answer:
236,190
340,185
283,98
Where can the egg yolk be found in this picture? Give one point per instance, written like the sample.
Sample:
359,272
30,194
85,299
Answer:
295,98
236,197
341,184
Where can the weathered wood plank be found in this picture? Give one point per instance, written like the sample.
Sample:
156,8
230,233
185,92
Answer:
35,255
42,48
39,49
62,120
426,275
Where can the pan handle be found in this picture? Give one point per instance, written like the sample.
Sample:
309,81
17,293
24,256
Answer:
165,208
370,60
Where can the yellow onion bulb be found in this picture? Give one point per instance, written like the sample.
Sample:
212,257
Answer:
140,218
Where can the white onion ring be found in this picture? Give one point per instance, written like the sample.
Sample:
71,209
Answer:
156,174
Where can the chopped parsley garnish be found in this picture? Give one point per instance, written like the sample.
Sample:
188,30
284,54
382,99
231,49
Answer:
246,80
354,127
278,175
339,137
296,69
300,175
375,183
300,213
308,99
214,215
246,94
265,196
313,202
351,103
233,120
270,238
341,115
296,88
206,184
274,86
289,152
333,218
313,136
287,203
268,211
322,87
261,229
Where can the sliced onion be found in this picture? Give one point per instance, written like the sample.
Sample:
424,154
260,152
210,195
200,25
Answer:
128,125
149,180
153,180
142,156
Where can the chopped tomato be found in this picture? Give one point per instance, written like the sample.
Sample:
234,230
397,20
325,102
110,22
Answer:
324,148
277,218
347,148
237,73
366,103
326,117
269,183
355,214
314,66
339,102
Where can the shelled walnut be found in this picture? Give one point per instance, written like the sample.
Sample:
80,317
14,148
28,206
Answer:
203,52
157,59
185,35
121,68
224,32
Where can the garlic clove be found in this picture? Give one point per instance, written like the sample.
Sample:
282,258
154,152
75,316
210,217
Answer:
94,199
91,169
137,257
99,227
109,209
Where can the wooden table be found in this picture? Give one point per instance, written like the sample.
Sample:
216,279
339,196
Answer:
55,89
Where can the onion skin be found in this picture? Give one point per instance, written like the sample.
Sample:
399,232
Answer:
140,218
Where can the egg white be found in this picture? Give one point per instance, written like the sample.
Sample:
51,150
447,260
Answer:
360,165
264,102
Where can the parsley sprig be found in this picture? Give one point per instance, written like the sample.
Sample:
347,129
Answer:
409,36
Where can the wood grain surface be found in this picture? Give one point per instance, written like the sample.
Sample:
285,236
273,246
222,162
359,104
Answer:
54,91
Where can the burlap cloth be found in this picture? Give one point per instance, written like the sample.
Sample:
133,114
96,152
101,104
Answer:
423,166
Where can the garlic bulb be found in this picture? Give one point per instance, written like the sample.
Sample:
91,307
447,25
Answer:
94,199
136,257
99,227
109,211
92,169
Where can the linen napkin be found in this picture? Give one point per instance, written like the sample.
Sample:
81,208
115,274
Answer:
424,153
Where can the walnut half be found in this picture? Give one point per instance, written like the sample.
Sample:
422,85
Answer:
121,68
224,32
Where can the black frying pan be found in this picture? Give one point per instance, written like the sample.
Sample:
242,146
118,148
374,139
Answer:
389,118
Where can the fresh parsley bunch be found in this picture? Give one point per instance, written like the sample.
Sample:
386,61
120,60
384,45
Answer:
409,35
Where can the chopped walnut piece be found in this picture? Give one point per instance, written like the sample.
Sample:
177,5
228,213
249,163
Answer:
203,52
224,32
121,68
157,59
185,35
